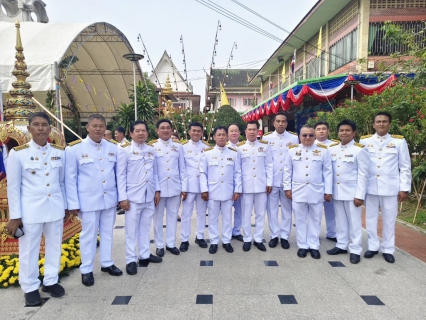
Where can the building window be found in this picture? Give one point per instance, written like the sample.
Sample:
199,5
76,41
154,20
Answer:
249,102
232,102
343,51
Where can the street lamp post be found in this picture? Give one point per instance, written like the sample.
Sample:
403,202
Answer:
134,57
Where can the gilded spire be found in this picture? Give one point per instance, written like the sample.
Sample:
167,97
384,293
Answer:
20,105
167,87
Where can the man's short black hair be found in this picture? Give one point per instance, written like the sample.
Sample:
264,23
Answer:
306,126
195,124
157,125
39,114
383,113
220,128
121,130
232,124
134,124
347,122
281,113
318,123
253,122
96,116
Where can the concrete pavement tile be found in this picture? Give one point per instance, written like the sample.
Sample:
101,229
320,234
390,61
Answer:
371,312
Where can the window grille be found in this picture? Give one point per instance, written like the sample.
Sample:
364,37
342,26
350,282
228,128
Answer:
350,11
343,51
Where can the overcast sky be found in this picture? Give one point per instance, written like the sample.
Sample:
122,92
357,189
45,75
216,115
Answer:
162,22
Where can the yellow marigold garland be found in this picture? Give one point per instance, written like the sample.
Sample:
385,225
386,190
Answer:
70,258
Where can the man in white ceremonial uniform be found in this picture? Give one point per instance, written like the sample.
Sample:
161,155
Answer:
120,136
322,131
193,149
91,188
172,177
389,183
138,193
234,136
257,176
220,184
37,203
351,164
279,141
308,181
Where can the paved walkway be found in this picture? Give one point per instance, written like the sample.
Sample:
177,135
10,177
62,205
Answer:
244,285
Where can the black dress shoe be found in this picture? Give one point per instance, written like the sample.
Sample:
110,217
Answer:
354,258
273,242
184,246
87,279
55,290
227,247
259,245
336,251
238,237
370,254
302,253
389,257
173,250
246,246
201,242
32,298
285,244
112,270
131,268
160,252
213,248
121,211
152,259
315,253
331,239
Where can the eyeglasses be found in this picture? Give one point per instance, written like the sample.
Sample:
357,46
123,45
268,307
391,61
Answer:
307,135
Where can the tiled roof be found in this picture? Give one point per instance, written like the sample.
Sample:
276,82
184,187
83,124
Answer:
236,77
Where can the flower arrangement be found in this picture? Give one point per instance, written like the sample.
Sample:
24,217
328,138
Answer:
70,258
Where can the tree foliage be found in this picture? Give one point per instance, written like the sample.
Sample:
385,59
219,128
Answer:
227,115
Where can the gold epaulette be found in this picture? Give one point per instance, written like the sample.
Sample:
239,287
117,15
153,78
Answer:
112,141
292,132
334,144
239,144
206,143
397,136
184,142
263,141
359,145
74,143
152,142
126,144
56,146
208,149
293,146
366,136
335,140
233,149
24,146
177,141
267,133
322,145
227,143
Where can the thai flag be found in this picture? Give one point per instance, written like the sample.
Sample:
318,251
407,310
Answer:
293,62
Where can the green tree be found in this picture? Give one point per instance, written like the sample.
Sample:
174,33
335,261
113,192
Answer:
227,115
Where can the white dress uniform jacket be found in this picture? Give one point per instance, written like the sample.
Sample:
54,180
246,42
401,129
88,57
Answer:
390,168
35,183
308,173
90,175
192,154
236,230
137,178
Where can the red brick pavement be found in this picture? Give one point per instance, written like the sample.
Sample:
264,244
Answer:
406,238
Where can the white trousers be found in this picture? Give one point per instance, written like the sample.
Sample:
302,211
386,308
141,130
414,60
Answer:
237,218
258,201
276,197
330,219
92,221
171,204
138,222
29,250
349,226
308,217
389,209
215,208
187,210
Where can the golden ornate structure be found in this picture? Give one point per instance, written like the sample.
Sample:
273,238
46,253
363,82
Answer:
167,87
13,132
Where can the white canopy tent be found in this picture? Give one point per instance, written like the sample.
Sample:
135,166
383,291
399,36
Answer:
90,55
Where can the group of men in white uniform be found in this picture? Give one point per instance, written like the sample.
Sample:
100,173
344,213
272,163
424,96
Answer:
147,179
